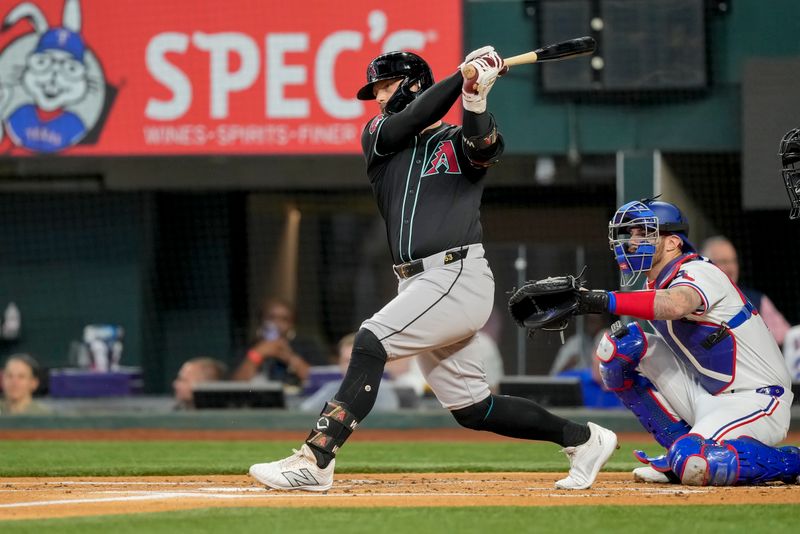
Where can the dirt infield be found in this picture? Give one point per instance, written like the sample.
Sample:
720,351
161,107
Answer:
27,498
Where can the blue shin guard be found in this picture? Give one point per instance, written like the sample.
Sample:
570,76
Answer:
619,353
760,463
640,400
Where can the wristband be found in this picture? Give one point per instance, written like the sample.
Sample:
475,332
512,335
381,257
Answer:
255,357
639,304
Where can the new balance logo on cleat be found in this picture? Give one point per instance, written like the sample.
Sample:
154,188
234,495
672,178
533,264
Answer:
297,472
300,478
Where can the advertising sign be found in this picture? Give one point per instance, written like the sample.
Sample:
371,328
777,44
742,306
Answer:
149,77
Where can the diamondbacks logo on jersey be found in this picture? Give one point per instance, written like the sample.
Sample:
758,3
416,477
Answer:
374,124
443,160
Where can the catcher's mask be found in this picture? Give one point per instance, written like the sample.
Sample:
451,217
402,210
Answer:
789,151
410,67
635,249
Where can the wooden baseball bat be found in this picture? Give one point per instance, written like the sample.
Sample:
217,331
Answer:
581,46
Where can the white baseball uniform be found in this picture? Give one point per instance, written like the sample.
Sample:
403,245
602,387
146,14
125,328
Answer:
435,316
718,368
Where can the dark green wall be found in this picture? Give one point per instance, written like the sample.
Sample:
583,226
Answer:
535,124
161,265
69,260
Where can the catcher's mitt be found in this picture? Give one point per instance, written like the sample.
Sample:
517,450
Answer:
546,304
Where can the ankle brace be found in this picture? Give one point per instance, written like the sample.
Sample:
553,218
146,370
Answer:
333,427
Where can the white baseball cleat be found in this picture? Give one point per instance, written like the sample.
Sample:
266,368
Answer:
297,472
650,475
586,460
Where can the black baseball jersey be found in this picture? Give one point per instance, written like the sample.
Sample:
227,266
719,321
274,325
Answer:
429,193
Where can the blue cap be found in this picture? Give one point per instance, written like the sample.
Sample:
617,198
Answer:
62,39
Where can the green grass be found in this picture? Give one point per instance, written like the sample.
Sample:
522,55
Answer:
138,458
774,519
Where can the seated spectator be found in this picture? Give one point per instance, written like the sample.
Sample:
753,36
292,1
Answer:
722,253
278,352
387,399
193,372
20,380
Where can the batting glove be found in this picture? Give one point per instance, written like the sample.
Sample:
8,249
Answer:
475,90
482,51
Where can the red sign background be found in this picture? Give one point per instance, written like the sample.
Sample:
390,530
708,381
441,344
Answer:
242,76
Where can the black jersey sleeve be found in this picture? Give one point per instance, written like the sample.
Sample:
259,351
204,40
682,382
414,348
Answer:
483,144
368,138
393,132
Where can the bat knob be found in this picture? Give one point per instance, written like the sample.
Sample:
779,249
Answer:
469,71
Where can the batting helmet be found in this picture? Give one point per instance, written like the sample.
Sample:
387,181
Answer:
789,151
412,68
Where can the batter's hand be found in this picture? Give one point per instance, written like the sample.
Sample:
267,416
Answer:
482,51
488,66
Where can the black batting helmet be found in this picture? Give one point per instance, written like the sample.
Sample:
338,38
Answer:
789,151
412,68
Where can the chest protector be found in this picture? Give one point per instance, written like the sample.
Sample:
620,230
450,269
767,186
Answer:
708,348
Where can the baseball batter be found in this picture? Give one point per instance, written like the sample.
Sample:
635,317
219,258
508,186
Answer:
427,178
711,385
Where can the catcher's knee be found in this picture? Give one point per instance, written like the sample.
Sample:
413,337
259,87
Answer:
619,353
703,462
474,416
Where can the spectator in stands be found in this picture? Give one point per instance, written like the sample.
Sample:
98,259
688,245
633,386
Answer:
722,253
387,399
20,380
193,372
278,352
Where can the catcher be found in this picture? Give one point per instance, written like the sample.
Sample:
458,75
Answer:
711,385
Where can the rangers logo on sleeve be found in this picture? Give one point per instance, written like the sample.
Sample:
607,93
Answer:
444,156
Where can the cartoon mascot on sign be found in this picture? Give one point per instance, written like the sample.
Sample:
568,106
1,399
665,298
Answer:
52,87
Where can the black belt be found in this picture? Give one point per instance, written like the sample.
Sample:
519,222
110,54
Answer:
413,268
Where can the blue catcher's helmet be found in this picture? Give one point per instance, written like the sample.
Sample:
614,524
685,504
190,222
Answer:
634,253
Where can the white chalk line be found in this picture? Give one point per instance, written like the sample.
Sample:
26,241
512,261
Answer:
263,493
98,483
175,495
